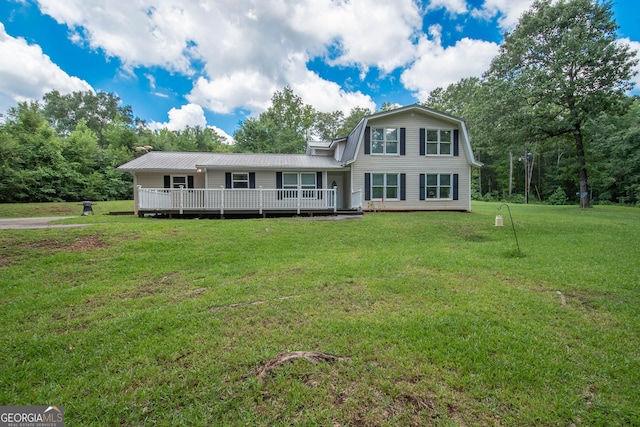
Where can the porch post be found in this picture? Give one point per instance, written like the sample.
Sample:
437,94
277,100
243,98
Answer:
298,200
260,202
221,200
136,205
335,199
181,198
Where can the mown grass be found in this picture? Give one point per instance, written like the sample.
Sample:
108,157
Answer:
163,322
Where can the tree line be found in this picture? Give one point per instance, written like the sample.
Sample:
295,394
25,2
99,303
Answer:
68,147
550,119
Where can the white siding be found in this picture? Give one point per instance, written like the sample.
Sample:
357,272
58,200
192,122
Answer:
413,164
156,179
150,180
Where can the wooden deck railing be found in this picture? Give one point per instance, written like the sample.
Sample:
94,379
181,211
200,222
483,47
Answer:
185,200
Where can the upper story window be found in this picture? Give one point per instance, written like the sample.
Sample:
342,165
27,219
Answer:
439,142
385,140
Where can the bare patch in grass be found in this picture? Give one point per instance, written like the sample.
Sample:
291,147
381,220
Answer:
14,252
151,288
80,244
88,243
311,356
244,304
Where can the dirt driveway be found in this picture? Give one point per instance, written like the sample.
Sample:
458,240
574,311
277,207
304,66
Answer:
31,223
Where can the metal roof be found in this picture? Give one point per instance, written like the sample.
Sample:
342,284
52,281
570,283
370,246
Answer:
319,144
189,162
351,148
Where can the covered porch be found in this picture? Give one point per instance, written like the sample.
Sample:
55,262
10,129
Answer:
241,202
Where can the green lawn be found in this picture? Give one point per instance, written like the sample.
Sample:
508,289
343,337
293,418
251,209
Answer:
164,322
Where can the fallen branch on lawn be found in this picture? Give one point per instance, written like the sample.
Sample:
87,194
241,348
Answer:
312,356
243,304
563,298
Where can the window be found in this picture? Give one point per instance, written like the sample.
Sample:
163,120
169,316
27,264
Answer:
438,186
385,186
306,180
384,140
439,142
178,181
240,180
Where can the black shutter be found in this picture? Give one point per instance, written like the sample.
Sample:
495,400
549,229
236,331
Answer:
455,186
403,186
319,184
227,180
456,137
167,181
403,142
423,179
423,142
367,186
367,140
279,184
190,181
252,180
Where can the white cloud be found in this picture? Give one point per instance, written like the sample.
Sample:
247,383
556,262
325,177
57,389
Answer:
26,73
248,90
327,96
437,66
239,51
189,115
180,118
363,33
227,139
142,33
508,11
634,46
456,7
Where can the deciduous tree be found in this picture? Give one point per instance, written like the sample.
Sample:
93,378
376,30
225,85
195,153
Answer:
565,63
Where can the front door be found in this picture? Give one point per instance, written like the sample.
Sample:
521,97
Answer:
335,180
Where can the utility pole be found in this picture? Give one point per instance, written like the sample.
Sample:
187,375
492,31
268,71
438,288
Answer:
527,173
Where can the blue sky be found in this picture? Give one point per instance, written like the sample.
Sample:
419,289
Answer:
216,62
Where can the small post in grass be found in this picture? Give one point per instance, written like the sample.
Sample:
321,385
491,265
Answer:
512,225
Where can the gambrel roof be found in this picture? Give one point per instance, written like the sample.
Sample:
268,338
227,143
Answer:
355,138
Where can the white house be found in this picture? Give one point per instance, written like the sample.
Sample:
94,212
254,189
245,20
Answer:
408,159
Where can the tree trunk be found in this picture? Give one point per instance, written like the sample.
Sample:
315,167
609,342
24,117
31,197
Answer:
510,173
479,178
582,166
